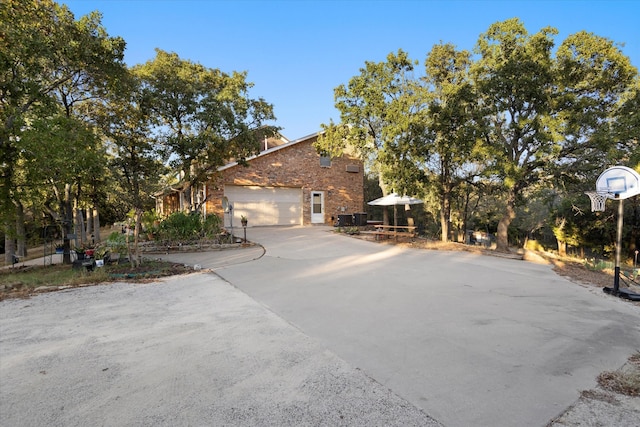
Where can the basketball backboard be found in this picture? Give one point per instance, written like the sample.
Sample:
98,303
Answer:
618,182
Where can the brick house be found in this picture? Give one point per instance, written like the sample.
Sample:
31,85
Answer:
286,184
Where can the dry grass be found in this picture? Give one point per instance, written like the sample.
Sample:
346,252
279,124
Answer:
625,380
23,282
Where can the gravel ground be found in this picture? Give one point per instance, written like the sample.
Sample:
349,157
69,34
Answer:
605,406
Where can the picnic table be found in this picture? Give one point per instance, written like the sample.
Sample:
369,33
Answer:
395,231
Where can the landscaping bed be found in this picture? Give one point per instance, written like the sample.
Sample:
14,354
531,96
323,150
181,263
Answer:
22,282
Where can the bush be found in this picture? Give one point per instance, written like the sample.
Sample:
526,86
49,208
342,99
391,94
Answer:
116,243
149,221
187,227
211,226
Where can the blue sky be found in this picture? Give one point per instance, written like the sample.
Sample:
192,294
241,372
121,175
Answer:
296,52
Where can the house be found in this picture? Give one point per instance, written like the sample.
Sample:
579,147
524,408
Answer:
285,184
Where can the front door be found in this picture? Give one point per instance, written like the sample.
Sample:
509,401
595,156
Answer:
317,207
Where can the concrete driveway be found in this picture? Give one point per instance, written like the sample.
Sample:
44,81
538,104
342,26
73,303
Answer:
471,340
316,329
188,350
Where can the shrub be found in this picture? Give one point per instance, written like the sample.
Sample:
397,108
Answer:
533,245
116,243
211,226
149,221
187,227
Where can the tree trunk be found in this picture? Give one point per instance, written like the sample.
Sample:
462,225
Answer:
186,198
409,216
445,213
9,155
88,214
136,234
385,210
80,226
9,243
67,223
21,234
502,239
445,200
562,248
128,242
96,225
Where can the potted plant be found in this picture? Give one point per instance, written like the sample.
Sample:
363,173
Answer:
79,253
101,255
243,220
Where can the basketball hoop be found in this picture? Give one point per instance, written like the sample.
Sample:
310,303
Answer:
597,200
618,183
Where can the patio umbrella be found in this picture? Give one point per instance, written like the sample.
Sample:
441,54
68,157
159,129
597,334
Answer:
394,200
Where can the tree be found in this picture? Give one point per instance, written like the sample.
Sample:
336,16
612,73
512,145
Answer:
417,133
205,116
444,129
44,50
372,113
137,159
542,111
625,136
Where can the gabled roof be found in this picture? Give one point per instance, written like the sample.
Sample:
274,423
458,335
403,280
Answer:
271,150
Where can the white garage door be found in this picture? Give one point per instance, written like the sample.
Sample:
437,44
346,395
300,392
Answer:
264,205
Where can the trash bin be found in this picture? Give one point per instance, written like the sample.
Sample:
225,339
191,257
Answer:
360,218
345,220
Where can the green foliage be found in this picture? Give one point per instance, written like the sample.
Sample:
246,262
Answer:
524,117
149,220
599,264
204,116
137,158
50,63
116,243
65,275
181,227
101,252
545,117
211,226
349,230
371,111
56,275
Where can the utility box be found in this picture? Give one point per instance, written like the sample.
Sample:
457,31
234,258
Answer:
360,218
345,220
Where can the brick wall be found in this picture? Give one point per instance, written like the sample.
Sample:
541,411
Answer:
298,165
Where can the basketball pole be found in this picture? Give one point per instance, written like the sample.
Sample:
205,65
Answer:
616,274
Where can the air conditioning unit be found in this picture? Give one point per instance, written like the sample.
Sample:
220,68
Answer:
353,168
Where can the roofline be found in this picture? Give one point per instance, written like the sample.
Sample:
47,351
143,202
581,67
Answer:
271,150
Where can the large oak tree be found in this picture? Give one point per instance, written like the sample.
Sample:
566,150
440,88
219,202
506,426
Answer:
204,116
376,113
49,61
544,113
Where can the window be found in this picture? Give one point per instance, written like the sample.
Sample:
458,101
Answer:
316,204
325,160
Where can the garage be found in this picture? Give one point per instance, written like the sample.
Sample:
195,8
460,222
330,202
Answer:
264,205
